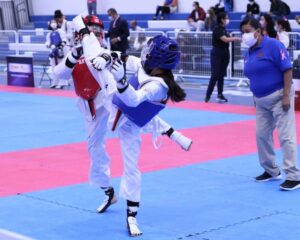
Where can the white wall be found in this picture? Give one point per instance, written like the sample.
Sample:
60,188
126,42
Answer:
240,5
72,7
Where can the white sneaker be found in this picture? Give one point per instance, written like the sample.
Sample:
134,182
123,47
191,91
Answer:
182,140
110,199
133,228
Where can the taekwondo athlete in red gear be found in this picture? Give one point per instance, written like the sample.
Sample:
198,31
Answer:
94,85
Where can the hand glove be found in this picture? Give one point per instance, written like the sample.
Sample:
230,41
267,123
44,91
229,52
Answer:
99,63
118,72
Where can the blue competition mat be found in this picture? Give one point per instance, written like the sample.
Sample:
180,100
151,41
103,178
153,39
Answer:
215,200
33,121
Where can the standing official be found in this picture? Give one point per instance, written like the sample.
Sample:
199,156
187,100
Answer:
118,32
219,57
268,66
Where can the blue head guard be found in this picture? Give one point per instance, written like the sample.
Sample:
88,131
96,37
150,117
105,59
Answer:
160,52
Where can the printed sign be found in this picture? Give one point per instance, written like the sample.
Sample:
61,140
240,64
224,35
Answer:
20,71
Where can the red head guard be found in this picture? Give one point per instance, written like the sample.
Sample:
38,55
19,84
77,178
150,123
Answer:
93,20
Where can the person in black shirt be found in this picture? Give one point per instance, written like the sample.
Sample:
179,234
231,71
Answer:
118,32
253,9
279,8
219,57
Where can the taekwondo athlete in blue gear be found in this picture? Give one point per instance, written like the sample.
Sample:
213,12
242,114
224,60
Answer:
153,85
56,41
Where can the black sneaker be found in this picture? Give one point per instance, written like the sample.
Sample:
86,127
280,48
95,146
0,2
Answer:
110,198
221,98
289,185
267,177
206,99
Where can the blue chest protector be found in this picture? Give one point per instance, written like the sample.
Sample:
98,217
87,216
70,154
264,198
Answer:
141,114
55,38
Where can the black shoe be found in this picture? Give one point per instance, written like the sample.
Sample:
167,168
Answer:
206,99
110,198
267,177
289,185
221,98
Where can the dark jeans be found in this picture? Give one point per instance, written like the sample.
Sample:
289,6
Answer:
92,8
219,60
163,10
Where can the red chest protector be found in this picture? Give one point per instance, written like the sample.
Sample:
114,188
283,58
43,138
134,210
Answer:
86,86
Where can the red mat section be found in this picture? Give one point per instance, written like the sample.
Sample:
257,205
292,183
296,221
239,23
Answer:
228,108
50,167
216,107
41,91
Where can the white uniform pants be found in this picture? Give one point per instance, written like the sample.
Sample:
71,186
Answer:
55,78
270,114
99,173
199,25
130,141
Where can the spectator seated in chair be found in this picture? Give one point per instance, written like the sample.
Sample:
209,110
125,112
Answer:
169,6
197,17
252,11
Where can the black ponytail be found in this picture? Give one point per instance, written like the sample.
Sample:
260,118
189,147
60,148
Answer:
176,93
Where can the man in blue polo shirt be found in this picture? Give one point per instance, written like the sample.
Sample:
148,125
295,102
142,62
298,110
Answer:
268,66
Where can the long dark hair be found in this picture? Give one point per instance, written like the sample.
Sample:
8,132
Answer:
176,93
270,28
285,24
220,17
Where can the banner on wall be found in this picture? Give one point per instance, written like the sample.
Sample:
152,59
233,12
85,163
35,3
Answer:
20,71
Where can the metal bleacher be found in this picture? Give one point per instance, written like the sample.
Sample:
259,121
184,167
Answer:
195,46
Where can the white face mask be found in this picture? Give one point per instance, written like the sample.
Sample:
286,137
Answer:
249,39
227,21
53,25
110,18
